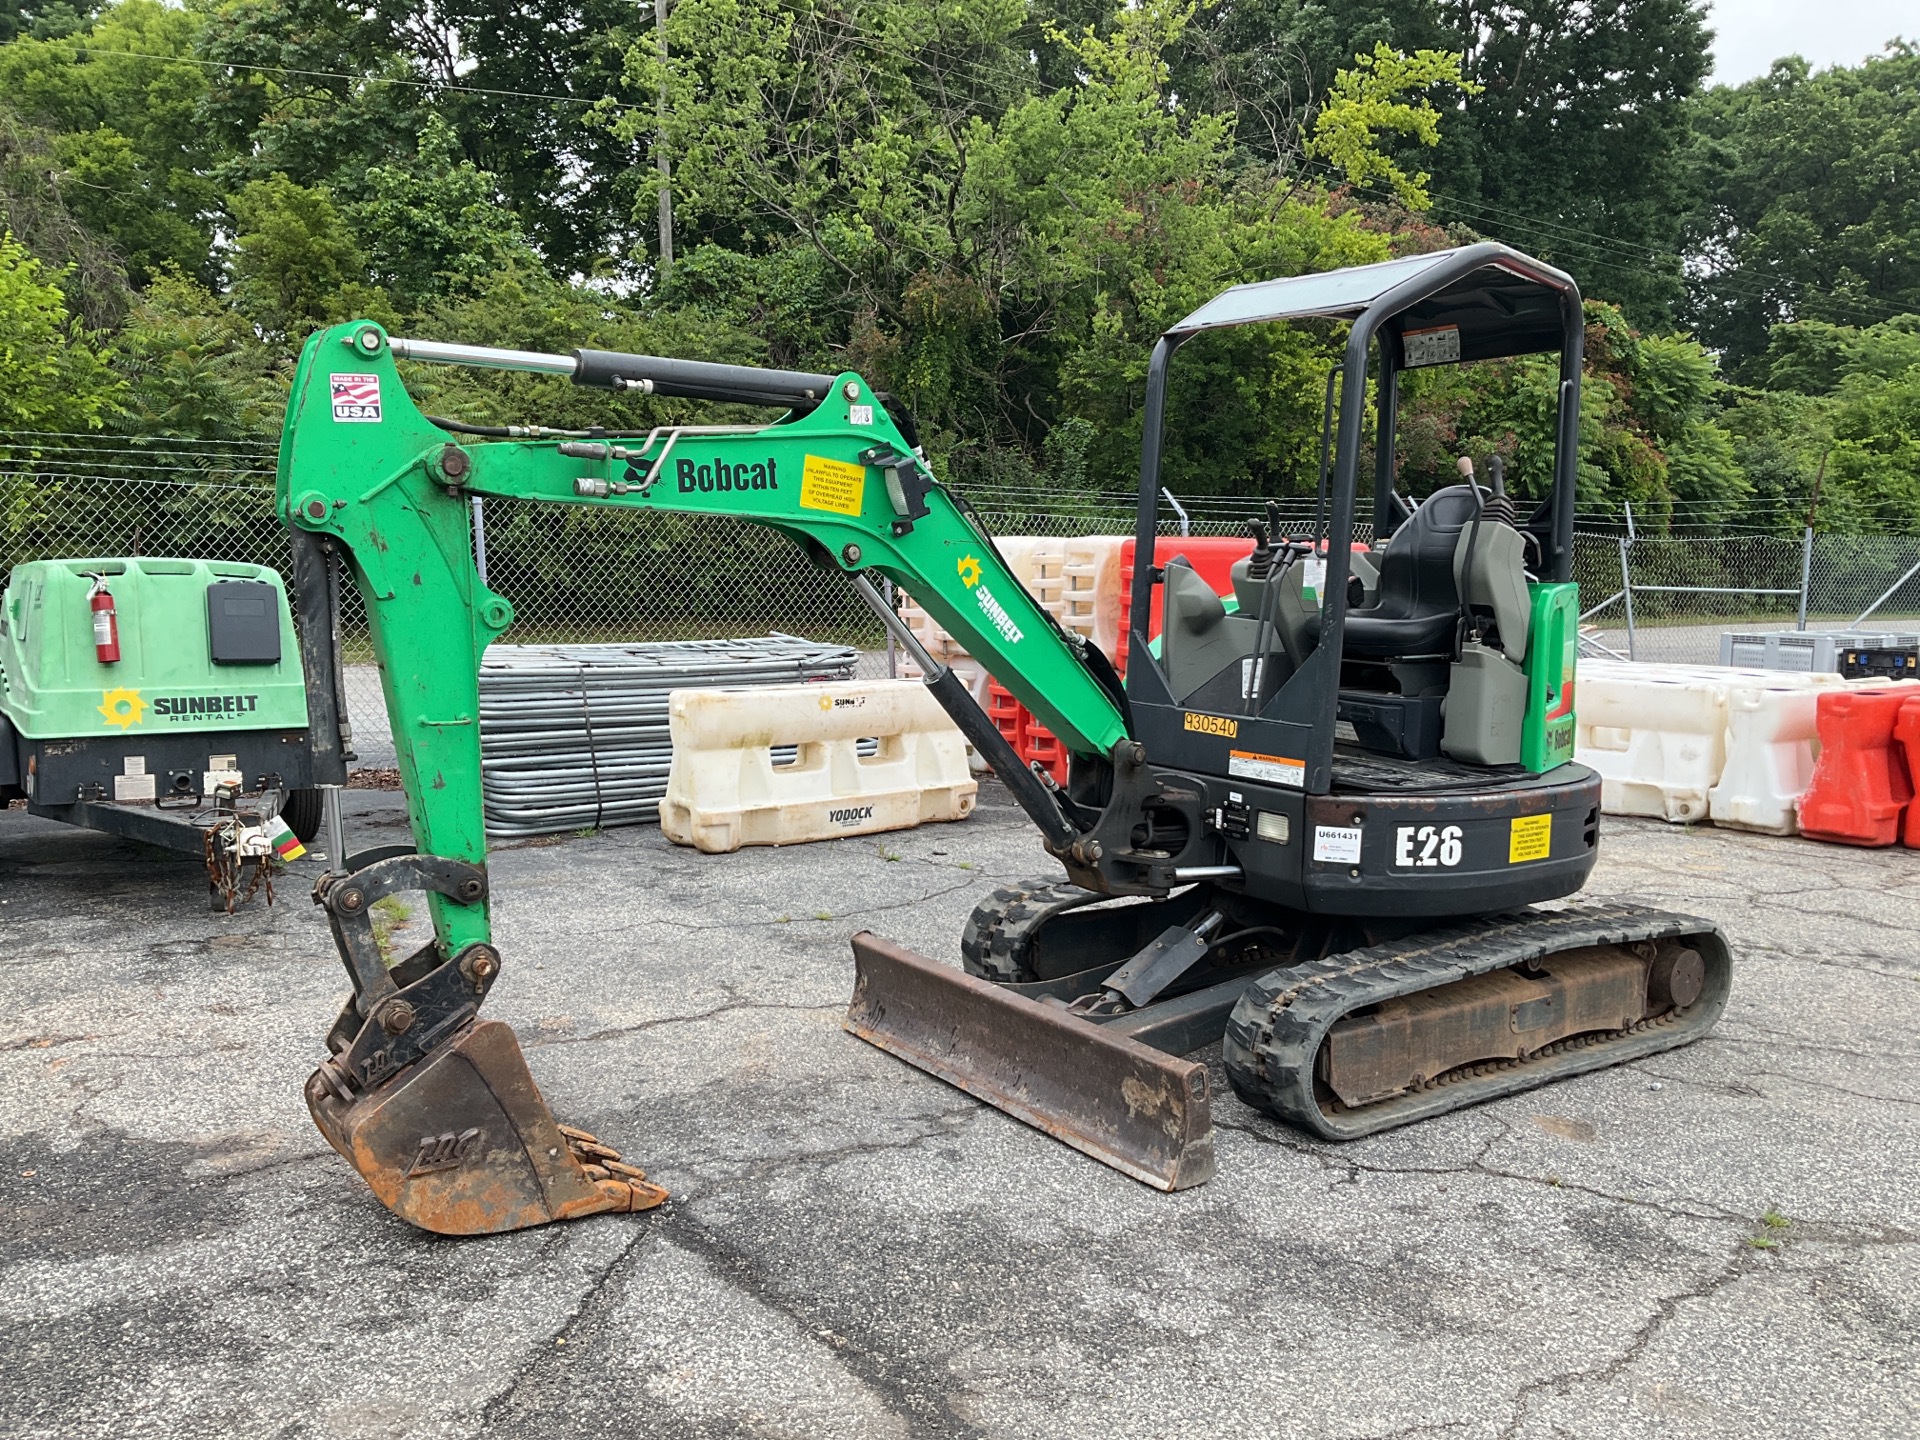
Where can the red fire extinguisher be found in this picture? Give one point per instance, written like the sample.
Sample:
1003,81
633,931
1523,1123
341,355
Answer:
106,625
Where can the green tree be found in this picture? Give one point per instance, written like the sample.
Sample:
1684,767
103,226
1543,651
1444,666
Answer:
119,105
1576,149
195,368
433,226
55,378
51,21
324,93
1385,94
296,264
1810,201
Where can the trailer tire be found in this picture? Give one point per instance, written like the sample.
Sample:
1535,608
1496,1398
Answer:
303,813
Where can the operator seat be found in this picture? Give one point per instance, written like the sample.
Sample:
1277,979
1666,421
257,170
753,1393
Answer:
1416,608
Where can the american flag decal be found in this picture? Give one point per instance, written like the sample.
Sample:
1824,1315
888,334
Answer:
355,397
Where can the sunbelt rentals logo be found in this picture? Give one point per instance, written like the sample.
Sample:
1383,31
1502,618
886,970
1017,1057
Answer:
996,613
122,707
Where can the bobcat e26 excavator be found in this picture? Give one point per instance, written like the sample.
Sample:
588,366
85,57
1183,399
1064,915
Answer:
1313,829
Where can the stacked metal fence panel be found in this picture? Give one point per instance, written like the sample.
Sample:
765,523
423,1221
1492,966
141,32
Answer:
574,736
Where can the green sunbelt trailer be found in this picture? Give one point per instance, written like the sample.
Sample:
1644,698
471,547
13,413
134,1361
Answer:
133,690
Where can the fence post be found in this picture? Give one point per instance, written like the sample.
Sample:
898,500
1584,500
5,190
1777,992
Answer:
1185,525
1626,577
1626,594
1806,575
893,658
480,538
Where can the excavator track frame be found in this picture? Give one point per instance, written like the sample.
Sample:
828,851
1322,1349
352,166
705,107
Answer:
1274,1038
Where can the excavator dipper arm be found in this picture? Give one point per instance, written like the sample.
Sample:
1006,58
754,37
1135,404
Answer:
434,1107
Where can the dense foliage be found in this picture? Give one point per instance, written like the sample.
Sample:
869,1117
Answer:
990,207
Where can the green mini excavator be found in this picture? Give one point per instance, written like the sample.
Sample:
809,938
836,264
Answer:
1315,826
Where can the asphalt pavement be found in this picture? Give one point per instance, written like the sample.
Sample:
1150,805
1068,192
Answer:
1721,1241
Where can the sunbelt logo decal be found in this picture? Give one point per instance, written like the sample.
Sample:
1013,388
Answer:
996,613
122,707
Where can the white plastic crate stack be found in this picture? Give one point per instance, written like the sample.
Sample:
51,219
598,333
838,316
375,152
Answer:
1040,563
576,735
1804,650
1092,600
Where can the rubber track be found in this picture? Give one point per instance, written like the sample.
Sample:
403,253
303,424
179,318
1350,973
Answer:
994,944
1273,1036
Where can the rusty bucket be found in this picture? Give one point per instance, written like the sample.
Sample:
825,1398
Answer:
463,1143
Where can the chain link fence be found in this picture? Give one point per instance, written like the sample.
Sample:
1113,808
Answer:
1670,599
579,574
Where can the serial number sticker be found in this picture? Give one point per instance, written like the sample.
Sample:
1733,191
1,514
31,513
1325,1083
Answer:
1438,346
833,485
1337,844
1222,725
1274,769
1530,838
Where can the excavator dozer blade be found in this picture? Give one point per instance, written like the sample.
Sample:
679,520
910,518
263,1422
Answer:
463,1144
1140,1110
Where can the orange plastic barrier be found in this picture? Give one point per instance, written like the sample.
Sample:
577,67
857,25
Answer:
1212,558
1009,716
1043,746
1029,738
1906,730
1860,783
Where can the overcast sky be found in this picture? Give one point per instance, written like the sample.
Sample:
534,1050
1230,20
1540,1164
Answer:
1749,35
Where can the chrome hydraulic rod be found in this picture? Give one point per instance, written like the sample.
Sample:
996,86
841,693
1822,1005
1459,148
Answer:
482,357
648,374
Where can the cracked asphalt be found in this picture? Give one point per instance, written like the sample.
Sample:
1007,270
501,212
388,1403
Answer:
1720,1241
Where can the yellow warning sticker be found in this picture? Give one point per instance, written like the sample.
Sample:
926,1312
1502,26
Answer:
1531,838
833,485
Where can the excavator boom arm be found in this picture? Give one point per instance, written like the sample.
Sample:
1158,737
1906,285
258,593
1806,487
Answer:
363,468
434,1107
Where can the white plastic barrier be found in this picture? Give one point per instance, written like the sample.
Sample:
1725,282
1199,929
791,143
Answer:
973,675
724,789
1771,743
1658,743
1696,742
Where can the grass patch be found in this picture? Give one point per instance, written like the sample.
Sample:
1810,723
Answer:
390,916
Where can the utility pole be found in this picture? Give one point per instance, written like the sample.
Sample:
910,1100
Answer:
660,143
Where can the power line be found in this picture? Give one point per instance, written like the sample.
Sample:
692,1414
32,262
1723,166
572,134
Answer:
1560,233
445,85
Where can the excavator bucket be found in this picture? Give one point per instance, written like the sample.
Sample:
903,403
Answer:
1142,1111
463,1144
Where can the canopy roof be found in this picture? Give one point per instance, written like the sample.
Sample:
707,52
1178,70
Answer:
1502,302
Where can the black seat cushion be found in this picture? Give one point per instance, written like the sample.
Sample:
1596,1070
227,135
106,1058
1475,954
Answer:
1416,606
